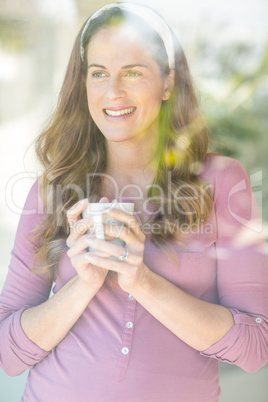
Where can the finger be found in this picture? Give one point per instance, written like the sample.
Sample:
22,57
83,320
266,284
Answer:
108,249
102,246
81,262
81,226
73,253
78,229
100,253
107,263
129,220
82,245
104,199
78,247
124,233
75,211
92,234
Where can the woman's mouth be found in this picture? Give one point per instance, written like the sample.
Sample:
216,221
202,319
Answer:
121,112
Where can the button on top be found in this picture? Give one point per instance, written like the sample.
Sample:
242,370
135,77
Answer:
258,320
129,324
125,351
130,297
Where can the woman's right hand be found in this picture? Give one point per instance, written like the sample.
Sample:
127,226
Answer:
91,274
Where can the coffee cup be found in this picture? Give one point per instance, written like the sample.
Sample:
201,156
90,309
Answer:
95,209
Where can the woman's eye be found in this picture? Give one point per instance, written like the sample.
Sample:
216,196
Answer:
133,74
98,74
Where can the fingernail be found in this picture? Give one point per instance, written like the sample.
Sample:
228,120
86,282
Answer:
89,240
89,257
82,202
104,199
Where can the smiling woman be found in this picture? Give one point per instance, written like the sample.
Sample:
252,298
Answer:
124,82
150,317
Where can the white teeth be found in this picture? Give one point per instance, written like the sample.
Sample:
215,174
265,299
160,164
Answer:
119,112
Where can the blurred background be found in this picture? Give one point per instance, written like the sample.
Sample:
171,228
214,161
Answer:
226,44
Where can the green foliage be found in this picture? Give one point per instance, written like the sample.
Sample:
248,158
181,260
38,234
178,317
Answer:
234,84
233,79
14,34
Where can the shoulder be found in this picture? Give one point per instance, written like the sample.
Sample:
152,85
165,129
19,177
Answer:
33,199
33,210
215,166
219,170
227,177
31,215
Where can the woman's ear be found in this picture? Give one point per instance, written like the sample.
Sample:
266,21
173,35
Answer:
169,84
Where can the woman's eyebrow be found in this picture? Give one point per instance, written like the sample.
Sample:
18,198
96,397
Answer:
96,65
134,65
123,67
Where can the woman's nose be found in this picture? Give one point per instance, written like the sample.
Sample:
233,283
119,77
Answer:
115,89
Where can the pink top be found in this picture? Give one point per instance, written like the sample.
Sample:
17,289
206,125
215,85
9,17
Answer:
117,351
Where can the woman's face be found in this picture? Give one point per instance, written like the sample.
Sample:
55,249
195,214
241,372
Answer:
124,86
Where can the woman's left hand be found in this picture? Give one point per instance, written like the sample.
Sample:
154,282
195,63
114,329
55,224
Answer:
132,272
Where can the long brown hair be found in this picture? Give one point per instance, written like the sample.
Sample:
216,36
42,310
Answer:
72,147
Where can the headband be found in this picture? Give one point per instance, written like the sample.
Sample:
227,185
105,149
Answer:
149,16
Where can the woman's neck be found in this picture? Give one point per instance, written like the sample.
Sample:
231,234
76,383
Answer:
119,183
131,162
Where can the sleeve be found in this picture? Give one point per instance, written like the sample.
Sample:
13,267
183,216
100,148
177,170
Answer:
242,272
22,290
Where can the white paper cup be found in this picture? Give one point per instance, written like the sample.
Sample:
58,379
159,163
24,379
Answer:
95,209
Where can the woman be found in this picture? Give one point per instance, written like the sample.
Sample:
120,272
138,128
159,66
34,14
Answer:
190,286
